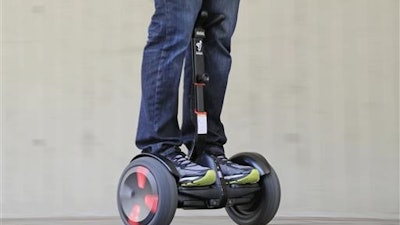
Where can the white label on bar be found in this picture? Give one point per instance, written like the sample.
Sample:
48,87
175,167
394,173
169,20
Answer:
201,123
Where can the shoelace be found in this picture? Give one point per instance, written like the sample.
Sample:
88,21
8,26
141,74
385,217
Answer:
223,159
181,160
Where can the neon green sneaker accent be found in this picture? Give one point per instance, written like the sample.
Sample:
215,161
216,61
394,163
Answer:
253,177
208,179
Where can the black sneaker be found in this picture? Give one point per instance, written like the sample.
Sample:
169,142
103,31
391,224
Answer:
237,174
191,174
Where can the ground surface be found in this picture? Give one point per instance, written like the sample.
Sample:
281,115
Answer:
217,220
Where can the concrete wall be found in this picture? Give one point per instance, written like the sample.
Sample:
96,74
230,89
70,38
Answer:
314,87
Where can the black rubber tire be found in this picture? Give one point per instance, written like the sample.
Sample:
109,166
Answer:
147,193
262,209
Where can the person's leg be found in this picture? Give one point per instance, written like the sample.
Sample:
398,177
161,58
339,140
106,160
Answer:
158,130
168,37
217,49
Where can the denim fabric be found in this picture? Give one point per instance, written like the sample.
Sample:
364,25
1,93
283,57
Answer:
169,36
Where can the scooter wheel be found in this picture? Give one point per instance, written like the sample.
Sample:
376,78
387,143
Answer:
262,209
147,193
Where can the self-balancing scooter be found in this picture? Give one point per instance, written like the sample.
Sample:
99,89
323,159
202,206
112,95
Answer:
149,193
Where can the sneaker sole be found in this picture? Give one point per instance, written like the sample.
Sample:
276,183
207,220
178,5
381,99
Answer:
253,177
208,179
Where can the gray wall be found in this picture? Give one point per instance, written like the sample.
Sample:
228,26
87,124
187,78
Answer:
314,87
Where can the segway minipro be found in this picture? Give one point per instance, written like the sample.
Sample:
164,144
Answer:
149,192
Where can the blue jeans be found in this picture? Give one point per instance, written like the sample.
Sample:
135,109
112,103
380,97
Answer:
169,36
